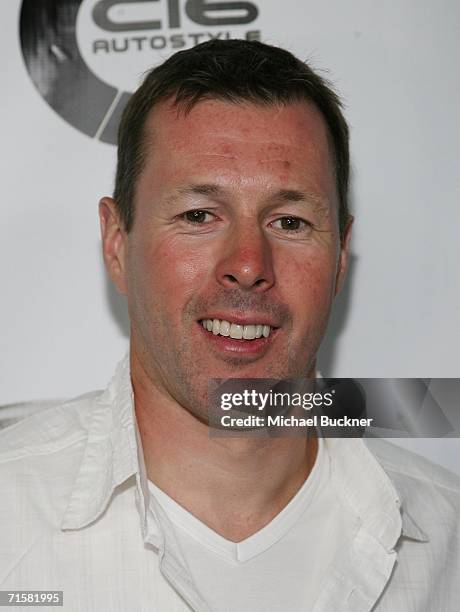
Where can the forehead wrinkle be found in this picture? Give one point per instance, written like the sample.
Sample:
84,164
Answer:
274,144
226,155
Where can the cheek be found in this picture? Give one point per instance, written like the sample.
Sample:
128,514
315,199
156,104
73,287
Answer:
309,285
168,272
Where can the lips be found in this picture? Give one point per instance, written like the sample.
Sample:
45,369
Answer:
237,331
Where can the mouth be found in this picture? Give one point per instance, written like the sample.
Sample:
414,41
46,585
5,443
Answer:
249,337
220,327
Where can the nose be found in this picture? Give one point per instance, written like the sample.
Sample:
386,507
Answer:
246,260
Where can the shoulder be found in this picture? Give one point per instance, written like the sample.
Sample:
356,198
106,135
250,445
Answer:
428,492
40,455
48,430
39,459
407,466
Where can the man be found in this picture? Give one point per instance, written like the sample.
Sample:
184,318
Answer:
228,233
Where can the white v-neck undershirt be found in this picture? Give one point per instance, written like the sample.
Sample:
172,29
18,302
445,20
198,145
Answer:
278,568
259,541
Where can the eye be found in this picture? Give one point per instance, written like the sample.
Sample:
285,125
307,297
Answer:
197,217
291,224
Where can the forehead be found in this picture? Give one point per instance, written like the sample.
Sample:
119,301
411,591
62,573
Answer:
241,142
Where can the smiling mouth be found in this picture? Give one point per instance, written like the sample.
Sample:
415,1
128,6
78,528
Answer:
220,327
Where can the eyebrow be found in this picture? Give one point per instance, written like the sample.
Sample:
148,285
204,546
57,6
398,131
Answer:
292,195
204,189
283,196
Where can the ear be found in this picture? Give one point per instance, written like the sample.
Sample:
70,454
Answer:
114,243
343,256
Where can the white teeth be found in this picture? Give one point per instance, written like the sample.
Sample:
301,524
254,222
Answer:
249,332
224,328
236,331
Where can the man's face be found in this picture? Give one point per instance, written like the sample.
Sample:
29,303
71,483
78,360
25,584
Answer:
236,221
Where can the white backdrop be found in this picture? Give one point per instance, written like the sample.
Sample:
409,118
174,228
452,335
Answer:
396,67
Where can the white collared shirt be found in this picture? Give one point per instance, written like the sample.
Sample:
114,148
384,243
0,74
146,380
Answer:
76,515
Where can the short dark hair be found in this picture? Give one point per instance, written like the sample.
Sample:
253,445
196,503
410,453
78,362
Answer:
234,71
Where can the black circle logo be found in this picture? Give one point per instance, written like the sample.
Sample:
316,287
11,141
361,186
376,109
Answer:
92,99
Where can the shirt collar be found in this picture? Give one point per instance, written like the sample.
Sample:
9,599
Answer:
113,454
371,493
360,573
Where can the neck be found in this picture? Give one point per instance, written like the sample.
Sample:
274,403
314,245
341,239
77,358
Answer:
236,486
